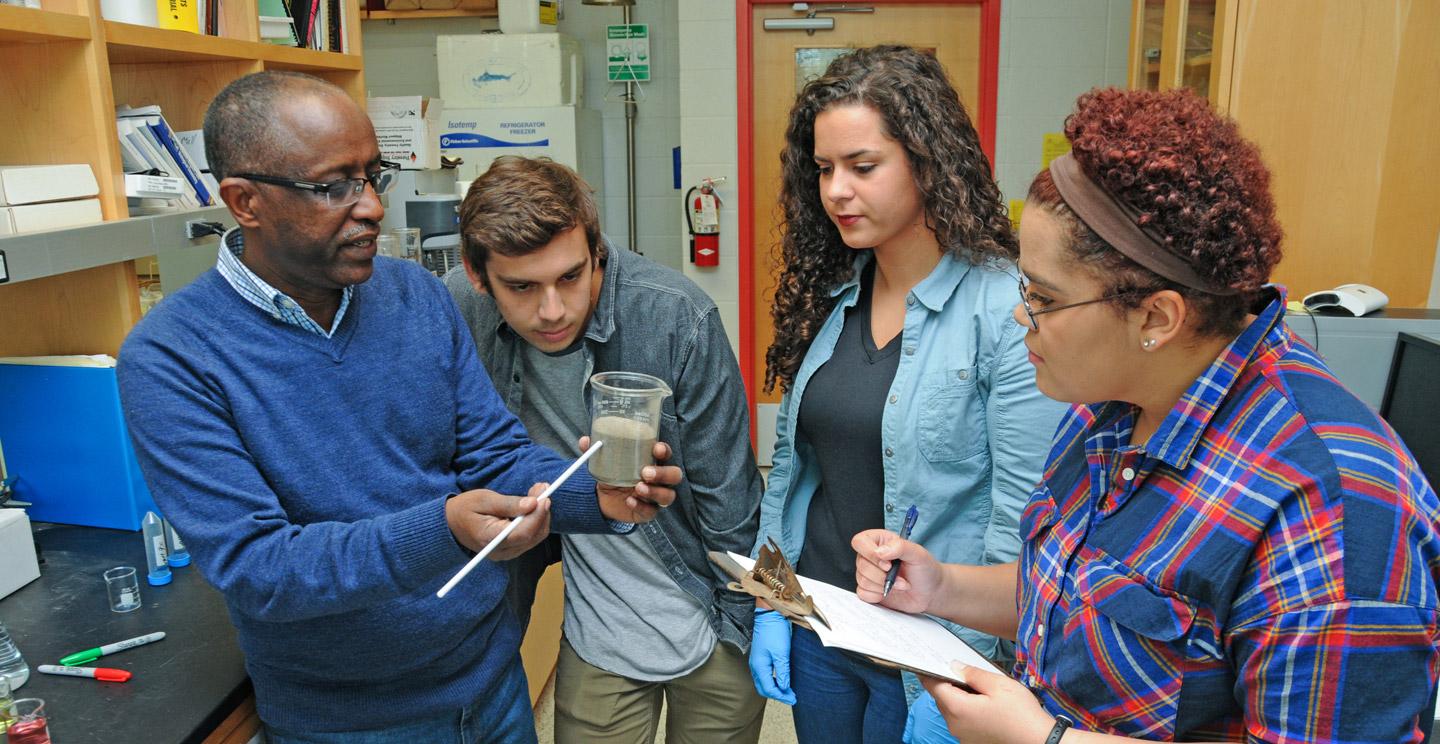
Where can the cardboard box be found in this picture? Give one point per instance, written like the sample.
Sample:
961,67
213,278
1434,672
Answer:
510,70
53,215
17,552
407,128
66,442
31,184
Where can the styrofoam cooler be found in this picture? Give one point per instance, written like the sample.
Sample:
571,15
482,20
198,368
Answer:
509,70
566,134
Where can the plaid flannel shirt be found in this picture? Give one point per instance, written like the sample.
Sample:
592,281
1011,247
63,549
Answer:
1263,568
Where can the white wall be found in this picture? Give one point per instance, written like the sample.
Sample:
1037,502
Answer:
400,55
1051,51
657,125
708,140
400,60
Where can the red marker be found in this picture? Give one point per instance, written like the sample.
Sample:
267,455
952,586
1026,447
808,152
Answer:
104,674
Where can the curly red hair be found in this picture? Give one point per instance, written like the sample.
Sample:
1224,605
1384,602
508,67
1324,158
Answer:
1195,182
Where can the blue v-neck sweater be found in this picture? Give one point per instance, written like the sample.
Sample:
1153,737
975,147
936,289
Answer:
308,477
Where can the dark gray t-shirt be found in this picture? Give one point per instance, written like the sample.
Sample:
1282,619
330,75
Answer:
840,417
554,411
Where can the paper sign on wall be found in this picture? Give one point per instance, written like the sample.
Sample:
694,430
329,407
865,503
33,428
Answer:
1053,145
628,52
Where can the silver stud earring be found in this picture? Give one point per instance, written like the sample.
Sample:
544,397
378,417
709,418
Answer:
1147,344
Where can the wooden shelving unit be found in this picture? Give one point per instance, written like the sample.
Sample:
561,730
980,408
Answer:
471,9
400,15
66,68
27,25
1339,97
53,253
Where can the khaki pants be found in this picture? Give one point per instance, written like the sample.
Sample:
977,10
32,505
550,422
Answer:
715,703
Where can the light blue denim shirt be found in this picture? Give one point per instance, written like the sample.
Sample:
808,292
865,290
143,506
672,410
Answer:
964,433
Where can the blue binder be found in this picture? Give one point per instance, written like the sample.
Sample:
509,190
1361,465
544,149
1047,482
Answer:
66,443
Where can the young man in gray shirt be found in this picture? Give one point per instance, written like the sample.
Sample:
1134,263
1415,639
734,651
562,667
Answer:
647,616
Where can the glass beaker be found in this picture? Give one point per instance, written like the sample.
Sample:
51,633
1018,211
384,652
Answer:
625,415
5,700
123,588
27,724
12,665
408,243
387,244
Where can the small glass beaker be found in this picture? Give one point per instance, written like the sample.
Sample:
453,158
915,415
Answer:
387,244
123,586
27,722
6,698
625,415
408,243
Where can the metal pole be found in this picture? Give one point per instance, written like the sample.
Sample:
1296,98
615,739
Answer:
630,111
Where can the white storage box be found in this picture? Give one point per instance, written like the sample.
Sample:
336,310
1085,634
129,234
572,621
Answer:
17,552
407,128
30,184
53,215
277,28
509,70
564,134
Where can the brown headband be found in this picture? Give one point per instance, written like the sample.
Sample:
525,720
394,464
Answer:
1116,224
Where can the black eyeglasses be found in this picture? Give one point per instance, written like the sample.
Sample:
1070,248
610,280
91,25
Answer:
340,193
1031,312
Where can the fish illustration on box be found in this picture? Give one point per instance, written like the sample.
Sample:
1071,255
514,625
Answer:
500,80
509,70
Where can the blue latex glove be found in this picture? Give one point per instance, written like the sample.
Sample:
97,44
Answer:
924,725
770,656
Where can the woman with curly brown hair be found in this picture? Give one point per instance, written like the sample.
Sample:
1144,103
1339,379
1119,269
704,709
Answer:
1227,544
905,381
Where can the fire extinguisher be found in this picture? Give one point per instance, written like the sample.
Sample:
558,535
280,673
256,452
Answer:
702,217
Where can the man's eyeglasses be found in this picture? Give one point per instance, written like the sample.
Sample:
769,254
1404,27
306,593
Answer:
1031,312
340,193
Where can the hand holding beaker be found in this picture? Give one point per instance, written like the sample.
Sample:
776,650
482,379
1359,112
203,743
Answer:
625,415
641,502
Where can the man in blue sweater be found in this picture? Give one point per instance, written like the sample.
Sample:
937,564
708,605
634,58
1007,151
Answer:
316,425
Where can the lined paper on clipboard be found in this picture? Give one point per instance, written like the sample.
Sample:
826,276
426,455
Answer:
914,642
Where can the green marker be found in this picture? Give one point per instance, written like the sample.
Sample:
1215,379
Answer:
91,654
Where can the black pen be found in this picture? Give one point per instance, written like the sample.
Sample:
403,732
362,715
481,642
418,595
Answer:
910,517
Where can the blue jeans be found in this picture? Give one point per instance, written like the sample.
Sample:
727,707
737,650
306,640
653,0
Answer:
504,717
839,698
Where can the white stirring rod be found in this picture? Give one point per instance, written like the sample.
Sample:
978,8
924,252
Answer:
495,542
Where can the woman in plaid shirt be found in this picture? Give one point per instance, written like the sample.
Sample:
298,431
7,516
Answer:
1226,543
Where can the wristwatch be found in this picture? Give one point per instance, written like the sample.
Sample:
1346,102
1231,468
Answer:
1061,723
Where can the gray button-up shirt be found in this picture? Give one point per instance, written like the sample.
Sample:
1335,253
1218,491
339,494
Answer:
651,319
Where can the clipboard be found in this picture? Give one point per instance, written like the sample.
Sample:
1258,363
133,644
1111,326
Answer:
772,579
920,644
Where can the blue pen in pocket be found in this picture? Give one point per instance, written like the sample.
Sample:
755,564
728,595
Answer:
910,517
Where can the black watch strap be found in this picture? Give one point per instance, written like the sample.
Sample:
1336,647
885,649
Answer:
1061,723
